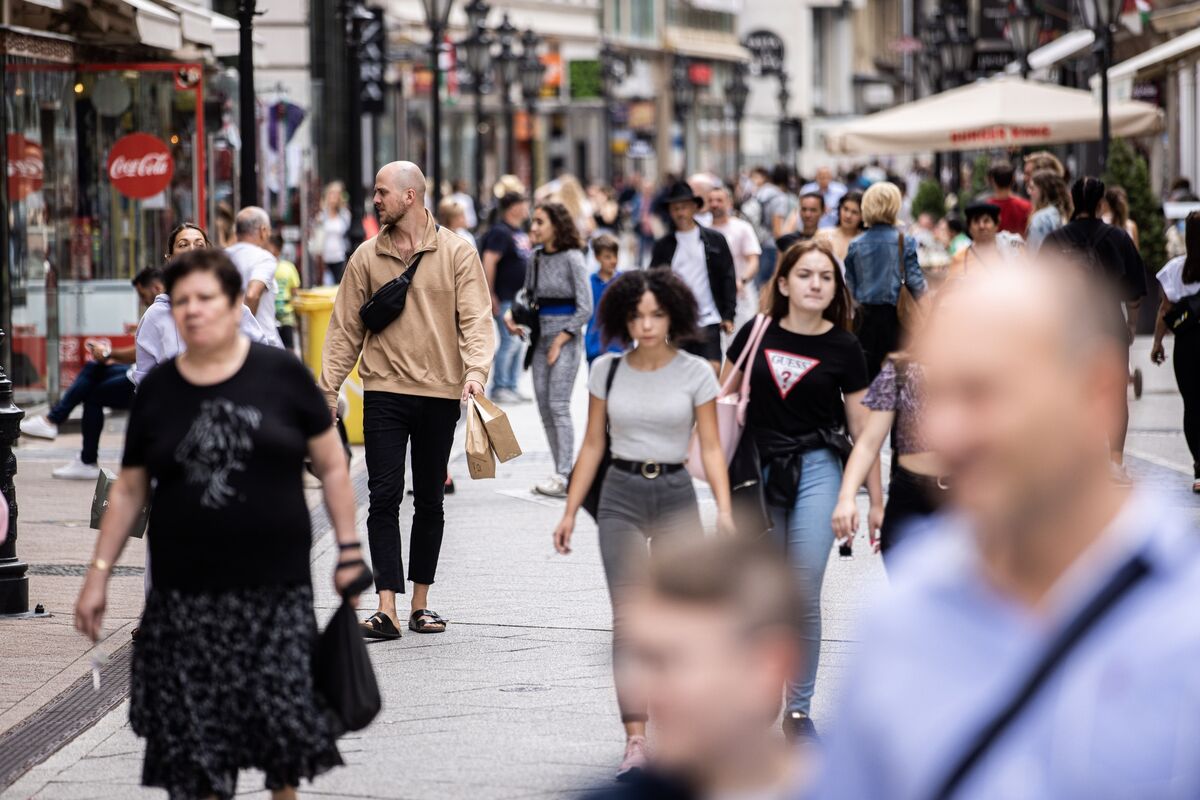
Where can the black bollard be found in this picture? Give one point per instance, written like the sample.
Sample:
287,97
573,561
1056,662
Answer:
14,585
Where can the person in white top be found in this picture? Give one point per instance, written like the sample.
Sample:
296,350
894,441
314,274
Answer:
335,225
463,197
743,245
1180,281
257,266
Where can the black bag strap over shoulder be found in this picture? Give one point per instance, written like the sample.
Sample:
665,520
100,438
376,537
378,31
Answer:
387,303
1119,585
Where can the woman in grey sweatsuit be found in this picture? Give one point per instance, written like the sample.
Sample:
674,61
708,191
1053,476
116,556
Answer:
565,299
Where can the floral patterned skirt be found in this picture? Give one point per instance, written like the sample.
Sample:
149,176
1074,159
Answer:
223,681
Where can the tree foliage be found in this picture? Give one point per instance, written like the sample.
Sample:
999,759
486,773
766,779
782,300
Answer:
929,199
1129,170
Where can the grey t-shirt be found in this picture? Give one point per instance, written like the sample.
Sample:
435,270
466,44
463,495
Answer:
651,414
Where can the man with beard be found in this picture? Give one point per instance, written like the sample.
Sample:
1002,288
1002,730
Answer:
414,372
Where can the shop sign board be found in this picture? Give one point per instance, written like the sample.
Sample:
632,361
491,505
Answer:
140,165
766,52
26,167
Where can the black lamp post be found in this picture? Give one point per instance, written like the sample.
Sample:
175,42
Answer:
958,50
477,49
1024,31
784,97
248,163
14,585
683,94
353,15
437,17
1099,15
933,36
508,63
532,73
614,68
737,92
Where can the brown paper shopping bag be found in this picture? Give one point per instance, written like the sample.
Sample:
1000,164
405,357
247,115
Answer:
499,430
480,461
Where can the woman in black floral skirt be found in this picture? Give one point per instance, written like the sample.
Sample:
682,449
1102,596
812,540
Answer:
222,676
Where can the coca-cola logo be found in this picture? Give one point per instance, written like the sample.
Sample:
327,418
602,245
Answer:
26,168
140,165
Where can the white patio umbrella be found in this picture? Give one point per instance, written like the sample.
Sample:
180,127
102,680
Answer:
1004,111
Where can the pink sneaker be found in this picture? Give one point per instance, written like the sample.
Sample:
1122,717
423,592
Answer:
635,758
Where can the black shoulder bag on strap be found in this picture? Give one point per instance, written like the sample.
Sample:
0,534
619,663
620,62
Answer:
387,303
525,305
1119,585
591,501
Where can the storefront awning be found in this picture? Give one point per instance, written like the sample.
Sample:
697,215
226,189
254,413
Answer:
1050,55
1002,112
195,22
226,41
715,48
54,5
156,26
1156,57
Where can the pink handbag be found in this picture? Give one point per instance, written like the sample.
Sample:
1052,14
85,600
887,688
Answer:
731,405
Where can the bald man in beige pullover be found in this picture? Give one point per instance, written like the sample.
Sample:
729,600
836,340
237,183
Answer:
415,372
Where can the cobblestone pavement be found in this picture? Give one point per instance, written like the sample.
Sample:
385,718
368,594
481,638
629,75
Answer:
515,700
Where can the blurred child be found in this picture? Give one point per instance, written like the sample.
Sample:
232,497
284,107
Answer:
607,252
287,279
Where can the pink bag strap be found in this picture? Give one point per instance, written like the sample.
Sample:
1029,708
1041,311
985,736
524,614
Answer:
744,394
761,322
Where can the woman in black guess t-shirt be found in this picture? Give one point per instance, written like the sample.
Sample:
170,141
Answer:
222,666
807,380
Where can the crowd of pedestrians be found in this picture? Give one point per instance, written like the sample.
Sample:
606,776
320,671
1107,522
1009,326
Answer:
773,338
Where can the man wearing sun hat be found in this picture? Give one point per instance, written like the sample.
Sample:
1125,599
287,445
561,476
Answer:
701,258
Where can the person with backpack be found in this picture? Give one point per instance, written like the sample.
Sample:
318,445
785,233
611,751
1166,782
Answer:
1107,253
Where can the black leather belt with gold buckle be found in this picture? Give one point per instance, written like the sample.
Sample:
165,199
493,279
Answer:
647,469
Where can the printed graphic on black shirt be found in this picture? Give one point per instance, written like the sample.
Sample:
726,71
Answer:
218,444
788,368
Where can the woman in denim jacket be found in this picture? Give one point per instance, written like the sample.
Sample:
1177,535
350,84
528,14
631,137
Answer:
873,272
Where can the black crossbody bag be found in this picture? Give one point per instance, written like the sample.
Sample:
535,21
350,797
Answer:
1184,315
591,501
1118,586
387,303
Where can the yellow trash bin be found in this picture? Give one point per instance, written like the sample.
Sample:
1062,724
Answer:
314,308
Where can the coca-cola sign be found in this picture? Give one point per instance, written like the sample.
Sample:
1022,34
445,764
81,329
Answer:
140,165
26,168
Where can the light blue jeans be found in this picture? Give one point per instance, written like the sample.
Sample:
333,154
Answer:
509,350
806,534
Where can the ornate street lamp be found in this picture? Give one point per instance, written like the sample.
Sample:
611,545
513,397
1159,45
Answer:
958,51
1100,15
1024,31
354,14
614,68
737,92
533,72
683,95
933,37
477,52
477,13
784,97
508,64
437,17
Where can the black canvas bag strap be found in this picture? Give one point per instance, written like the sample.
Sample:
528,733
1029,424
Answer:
608,382
1119,585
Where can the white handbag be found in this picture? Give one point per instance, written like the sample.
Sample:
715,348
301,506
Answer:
731,404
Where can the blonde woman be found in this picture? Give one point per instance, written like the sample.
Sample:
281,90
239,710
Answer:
1052,206
874,267
335,224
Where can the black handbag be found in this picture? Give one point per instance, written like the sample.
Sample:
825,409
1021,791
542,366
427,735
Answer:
525,306
1184,315
387,303
591,501
747,495
343,675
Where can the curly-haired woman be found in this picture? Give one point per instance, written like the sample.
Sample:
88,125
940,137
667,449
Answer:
646,493
564,294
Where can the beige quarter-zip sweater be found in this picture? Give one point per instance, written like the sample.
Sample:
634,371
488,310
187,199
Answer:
444,337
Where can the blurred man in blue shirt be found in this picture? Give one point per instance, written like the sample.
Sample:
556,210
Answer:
1021,367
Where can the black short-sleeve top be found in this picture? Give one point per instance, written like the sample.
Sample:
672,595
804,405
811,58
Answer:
226,464
797,382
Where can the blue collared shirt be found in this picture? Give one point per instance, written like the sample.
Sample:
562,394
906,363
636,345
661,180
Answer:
1120,718
872,271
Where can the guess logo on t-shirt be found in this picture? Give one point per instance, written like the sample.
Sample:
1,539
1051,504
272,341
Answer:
788,368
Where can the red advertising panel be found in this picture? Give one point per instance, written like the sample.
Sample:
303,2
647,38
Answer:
140,165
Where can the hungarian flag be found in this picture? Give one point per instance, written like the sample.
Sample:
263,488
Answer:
1135,15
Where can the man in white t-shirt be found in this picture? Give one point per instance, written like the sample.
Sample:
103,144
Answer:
700,257
257,266
743,244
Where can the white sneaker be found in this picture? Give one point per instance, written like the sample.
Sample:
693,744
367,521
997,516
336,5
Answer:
554,486
1119,475
39,427
77,471
508,396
